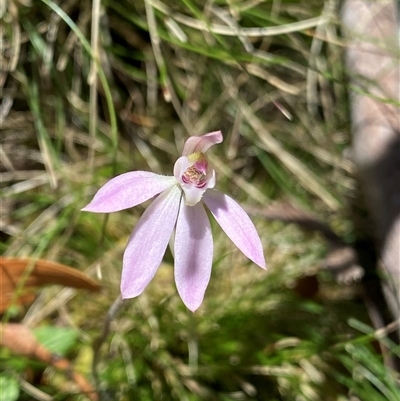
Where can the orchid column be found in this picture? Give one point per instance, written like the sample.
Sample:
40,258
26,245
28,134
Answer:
179,204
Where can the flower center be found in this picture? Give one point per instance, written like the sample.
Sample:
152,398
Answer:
196,174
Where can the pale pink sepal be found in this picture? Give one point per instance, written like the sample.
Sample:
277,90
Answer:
128,190
193,254
201,143
236,224
148,242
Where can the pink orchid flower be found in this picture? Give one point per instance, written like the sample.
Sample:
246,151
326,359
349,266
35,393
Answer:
180,205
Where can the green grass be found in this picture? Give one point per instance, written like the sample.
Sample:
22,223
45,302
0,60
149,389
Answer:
254,338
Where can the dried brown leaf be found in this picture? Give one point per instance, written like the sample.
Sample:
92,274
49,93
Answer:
22,274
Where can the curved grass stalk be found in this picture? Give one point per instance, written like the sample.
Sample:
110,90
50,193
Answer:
103,80
234,31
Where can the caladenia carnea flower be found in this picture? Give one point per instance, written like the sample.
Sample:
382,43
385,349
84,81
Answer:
180,205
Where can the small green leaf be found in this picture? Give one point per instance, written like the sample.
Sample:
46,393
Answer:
9,388
57,339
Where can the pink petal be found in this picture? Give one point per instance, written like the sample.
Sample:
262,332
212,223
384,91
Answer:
193,254
148,242
180,166
128,190
236,224
201,143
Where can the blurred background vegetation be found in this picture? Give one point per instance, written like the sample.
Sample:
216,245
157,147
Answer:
93,90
